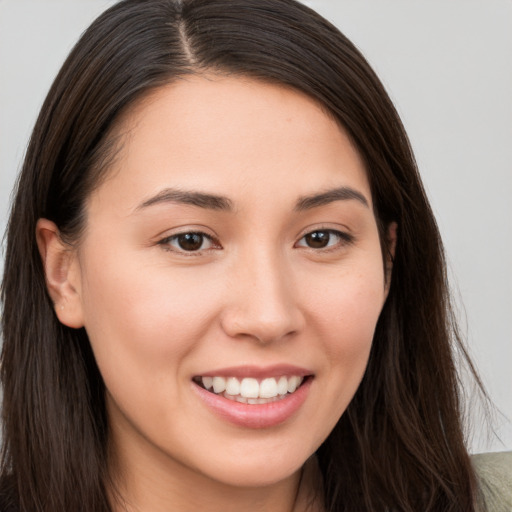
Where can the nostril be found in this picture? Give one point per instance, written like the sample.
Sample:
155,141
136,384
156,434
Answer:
251,326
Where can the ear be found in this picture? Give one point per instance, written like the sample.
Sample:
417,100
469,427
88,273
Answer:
391,237
62,271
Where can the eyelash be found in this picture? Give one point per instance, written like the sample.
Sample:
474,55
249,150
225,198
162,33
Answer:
167,243
343,240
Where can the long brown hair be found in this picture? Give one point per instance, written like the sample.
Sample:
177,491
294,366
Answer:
400,444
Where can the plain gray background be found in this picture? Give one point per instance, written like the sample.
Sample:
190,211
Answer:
448,68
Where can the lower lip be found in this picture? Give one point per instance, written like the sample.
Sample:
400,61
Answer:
258,415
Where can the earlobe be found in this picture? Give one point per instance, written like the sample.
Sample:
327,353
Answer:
62,273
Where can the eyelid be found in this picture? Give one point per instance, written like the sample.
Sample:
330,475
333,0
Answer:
345,237
165,242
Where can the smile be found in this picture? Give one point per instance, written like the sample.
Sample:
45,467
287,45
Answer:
254,396
249,390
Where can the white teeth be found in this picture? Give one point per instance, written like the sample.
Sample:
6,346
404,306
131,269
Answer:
282,386
249,390
268,388
236,398
219,384
207,382
233,386
293,383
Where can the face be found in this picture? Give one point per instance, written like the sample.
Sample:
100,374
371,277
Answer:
233,244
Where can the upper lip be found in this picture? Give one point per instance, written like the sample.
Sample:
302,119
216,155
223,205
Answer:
258,372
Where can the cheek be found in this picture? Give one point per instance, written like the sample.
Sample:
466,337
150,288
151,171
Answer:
141,323
348,306
142,328
344,316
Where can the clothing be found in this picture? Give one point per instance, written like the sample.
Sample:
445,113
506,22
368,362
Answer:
494,472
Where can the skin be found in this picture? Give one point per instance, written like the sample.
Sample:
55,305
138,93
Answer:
157,315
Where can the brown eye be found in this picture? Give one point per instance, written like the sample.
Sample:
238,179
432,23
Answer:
325,239
318,239
189,242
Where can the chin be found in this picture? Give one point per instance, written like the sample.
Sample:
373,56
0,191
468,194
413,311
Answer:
248,472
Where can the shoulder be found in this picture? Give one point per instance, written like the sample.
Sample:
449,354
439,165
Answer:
494,472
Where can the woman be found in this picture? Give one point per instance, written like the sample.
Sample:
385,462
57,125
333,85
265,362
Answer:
238,297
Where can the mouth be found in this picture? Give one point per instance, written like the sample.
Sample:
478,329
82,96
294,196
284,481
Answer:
255,397
250,390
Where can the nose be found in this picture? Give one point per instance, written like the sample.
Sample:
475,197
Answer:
262,301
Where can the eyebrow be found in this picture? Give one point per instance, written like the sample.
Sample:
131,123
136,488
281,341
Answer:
199,199
330,196
221,203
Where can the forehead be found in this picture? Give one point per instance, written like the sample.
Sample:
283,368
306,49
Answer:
230,135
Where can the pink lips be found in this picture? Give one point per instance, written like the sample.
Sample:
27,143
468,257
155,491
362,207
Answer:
257,372
256,416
